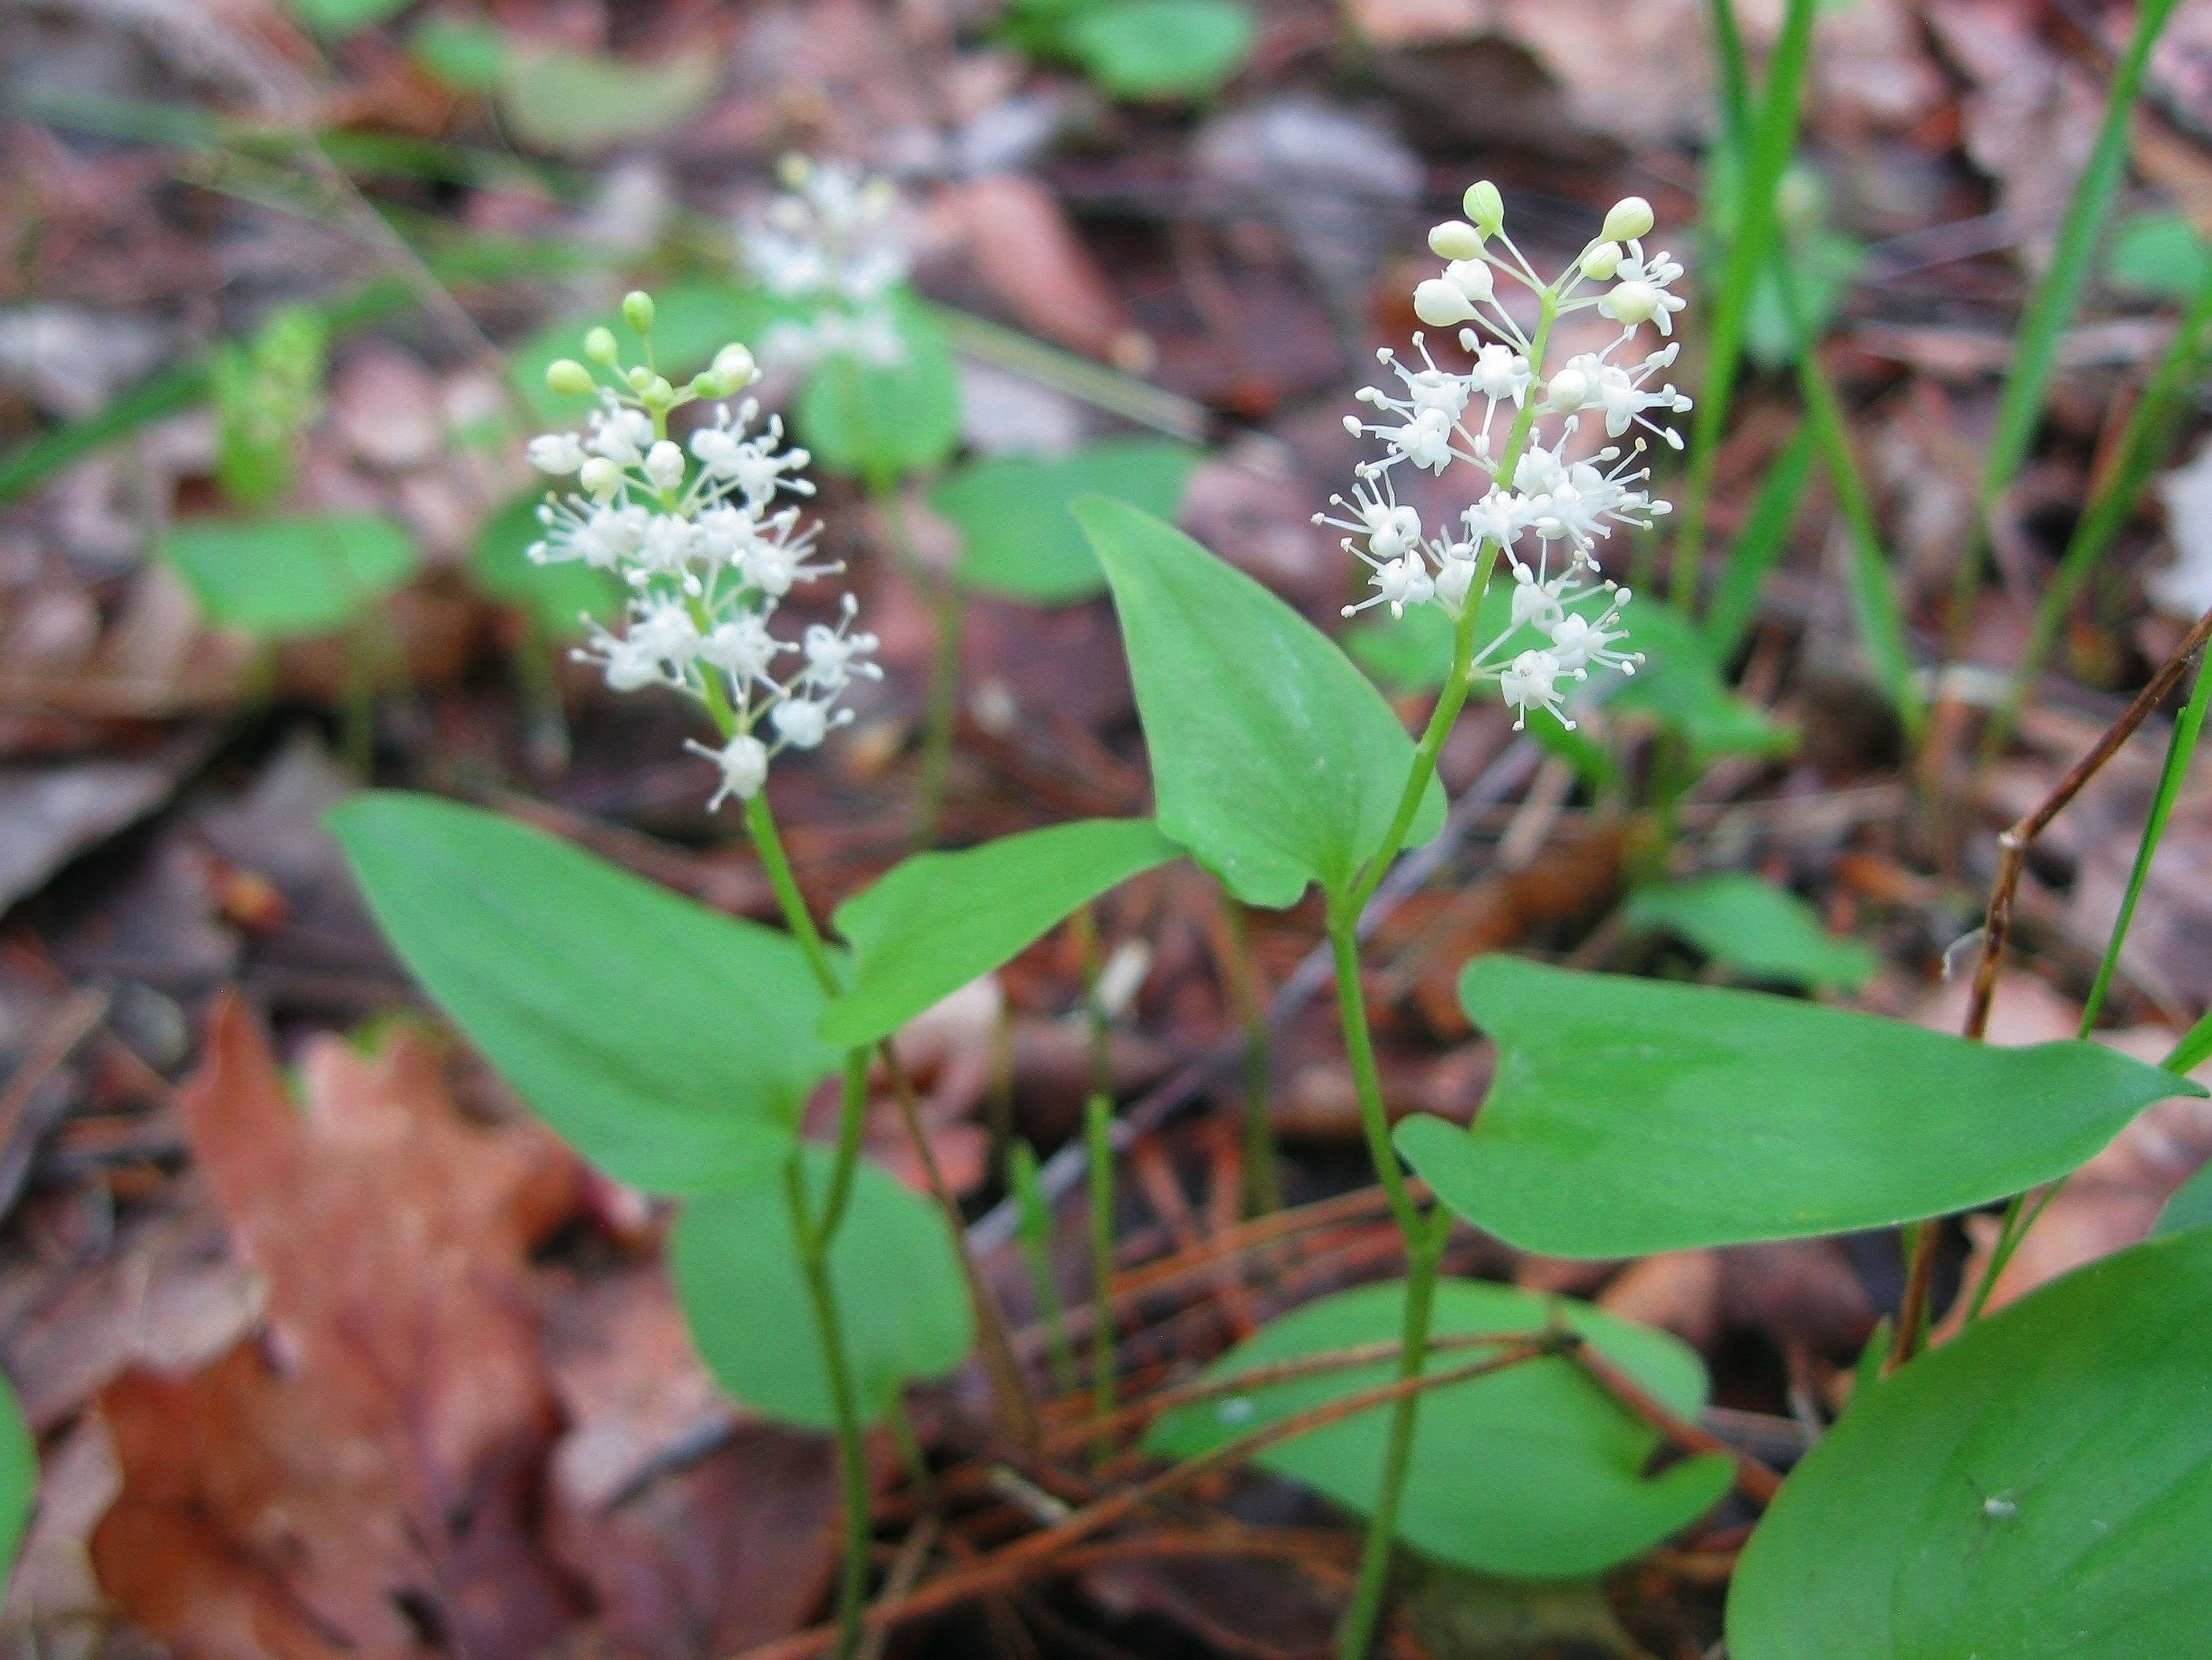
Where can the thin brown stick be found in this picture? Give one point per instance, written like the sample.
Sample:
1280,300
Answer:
1010,1395
1997,931
1752,1479
1040,1551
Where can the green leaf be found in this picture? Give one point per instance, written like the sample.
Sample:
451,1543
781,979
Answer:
691,322
290,577
2159,254
1758,930
334,19
2040,1486
466,54
2189,1207
1679,686
882,424
19,1474
579,103
901,1305
1534,1472
671,1045
555,596
936,920
1018,537
1274,761
1160,48
1628,1116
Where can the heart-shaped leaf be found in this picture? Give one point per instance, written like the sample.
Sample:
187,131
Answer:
1533,1472
904,1308
882,423
936,920
574,103
1160,48
290,577
671,1045
1629,1115
1018,537
1753,928
2040,1486
1275,762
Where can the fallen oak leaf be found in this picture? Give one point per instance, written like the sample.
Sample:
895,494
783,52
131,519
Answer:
362,1479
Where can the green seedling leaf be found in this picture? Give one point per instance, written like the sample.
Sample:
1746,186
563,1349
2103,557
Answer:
335,19
691,322
1629,1115
1018,537
882,424
1534,1472
2189,1207
266,394
936,920
1679,686
467,55
2161,255
19,1474
1755,929
1275,762
557,596
578,104
1160,48
670,1045
290,577
2040,1486
735,1258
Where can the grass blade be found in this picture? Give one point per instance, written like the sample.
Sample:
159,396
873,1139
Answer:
2050,308
2143,444
1759,546
1768,142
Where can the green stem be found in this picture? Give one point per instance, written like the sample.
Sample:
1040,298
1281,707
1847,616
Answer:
1097,1130
760,823
1036,1235
1424,1242
852,1450
1263,1188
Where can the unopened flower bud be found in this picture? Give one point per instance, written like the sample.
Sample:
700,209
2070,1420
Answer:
600,476
663,465
639,378
657,393
1486,207
1630,218
1631,303
735,365
637,310
1442,304
1472,279
1601,261
600,346
1456,239
568,376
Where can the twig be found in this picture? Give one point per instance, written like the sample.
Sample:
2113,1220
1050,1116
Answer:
1017,1414
1041,1552
1997,928
1752,1479
1062,1172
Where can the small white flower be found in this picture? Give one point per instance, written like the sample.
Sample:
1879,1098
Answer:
557,453
1532,683
1398,583
663,465
799,723
742,647
1580,642
1442,304
744,762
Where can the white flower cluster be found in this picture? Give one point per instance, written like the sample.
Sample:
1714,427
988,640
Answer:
708,548
831,245
1541,501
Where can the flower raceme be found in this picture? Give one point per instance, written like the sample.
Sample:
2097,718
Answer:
1545,506
709,546
830,245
